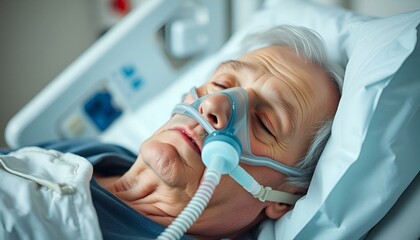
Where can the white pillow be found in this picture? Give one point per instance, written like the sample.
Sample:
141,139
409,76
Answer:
372,155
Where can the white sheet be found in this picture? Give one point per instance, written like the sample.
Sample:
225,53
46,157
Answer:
45,195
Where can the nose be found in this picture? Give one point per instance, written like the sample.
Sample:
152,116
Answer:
216,109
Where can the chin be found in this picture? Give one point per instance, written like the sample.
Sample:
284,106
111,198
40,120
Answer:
164,160
173,162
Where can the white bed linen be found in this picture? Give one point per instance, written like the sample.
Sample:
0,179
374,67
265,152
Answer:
45,195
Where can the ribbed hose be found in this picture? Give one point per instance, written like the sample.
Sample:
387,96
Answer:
194,208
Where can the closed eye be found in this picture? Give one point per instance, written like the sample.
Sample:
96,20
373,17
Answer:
264,126
220,86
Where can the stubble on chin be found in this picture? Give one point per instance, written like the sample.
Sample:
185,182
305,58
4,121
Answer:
168,157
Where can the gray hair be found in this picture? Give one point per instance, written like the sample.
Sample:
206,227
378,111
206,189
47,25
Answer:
311,46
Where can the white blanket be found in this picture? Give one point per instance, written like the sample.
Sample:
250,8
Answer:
45,195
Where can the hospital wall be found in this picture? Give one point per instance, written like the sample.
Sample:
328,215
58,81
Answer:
38,39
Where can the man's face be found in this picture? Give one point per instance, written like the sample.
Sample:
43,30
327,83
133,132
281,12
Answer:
288,100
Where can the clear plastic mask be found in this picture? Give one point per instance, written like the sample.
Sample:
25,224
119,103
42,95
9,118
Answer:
237,126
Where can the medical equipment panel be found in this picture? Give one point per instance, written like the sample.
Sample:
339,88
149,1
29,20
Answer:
128,66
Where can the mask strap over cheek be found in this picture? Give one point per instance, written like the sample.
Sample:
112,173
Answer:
258,191
268,194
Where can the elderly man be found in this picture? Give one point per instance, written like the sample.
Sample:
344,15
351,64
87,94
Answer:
293,94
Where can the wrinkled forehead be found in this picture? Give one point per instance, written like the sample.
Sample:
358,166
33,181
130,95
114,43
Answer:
284,64
277,54
309,83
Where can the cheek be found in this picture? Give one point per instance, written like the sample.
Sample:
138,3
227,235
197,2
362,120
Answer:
235,206
230,195
261,143
260,148
267,146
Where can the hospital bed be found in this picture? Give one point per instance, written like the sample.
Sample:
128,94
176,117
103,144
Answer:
366,185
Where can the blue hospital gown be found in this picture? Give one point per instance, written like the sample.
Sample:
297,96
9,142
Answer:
116,219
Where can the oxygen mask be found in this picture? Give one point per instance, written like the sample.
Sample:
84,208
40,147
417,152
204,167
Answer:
226,145
235,104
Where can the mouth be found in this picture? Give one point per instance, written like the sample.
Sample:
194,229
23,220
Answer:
190,139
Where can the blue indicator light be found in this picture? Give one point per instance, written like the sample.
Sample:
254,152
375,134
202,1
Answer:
136,83
128,71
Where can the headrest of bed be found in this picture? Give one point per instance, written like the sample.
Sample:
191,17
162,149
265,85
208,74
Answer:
372,154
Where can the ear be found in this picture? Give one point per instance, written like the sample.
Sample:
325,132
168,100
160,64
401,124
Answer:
276,210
